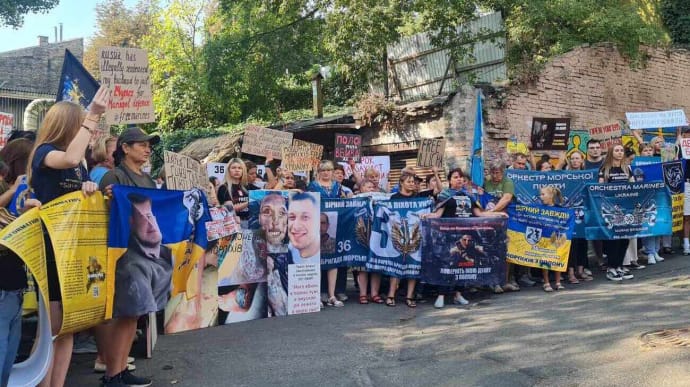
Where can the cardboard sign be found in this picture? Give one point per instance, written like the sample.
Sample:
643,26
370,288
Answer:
316,151
296,158
347,146
550,133
216,170
431,152
665,119
6,123
685,148
608,135
125,71
382,164
260,141
183,172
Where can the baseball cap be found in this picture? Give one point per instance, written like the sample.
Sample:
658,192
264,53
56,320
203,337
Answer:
135,134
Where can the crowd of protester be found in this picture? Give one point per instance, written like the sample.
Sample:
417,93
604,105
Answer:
35,170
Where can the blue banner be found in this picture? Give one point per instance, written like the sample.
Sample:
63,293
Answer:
345,231
645,160
76,84
570,183
539,236
464,251
396,237
628,210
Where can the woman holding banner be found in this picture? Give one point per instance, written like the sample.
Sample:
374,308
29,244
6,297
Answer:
616,170
326,185
57,162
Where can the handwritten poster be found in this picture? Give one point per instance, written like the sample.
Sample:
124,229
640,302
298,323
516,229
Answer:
315,149
260,141
608,135
665,119
296,158
431,152
183,172
125,71
347,146
6,122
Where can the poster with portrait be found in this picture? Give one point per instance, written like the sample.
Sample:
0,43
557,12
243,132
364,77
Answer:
156,239
539,236
396,237
78,229
345,227
629,210
464,251
285,234
550,133
673,174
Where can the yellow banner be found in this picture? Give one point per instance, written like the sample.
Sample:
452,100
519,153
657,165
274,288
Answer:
677,212
24,237
545,254
78,228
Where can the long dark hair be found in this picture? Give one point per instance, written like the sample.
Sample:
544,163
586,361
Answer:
16,155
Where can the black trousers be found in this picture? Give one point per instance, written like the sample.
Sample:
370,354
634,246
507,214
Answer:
615,251
578,253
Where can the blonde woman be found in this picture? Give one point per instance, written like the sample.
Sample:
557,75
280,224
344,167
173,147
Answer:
233,192
103,157
57,167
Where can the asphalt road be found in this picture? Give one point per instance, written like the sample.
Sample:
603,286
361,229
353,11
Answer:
586,335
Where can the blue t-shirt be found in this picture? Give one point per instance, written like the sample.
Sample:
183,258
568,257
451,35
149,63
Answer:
49,183
97,174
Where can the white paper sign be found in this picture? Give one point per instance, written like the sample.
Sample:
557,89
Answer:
685,147
380,163
304,288
665,119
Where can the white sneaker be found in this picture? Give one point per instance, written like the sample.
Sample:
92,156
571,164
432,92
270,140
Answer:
686,250
460,300
659,258
624,273
439,302
651,259
613,275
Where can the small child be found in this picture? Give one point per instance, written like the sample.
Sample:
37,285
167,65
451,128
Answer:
551,196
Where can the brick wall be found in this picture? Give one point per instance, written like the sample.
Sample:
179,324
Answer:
37,69
593,85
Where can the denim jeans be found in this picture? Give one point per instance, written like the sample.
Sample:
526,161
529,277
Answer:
651,244
10,330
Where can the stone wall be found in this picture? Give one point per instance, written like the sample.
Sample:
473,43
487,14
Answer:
593,85
37,69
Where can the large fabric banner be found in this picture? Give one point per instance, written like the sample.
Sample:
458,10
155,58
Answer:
464,251
345,230
284,236
628,210
570,183
539,236
156,239
672,173
396,237
78,229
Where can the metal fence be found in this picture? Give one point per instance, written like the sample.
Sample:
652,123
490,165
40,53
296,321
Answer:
418,69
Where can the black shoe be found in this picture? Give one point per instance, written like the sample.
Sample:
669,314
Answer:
667,250
129,379
115,381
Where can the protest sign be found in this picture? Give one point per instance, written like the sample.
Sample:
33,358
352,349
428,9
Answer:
125,72
464,251
431,153
685,147
381,164
550,133
316,152
296,158
578,141
222,224
347,146
608,135
260,141
628,210
292,258
78,229
216,170
396,237
6,123
663,119
539,236
570,183
183,172
340,246
160,232
672,174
